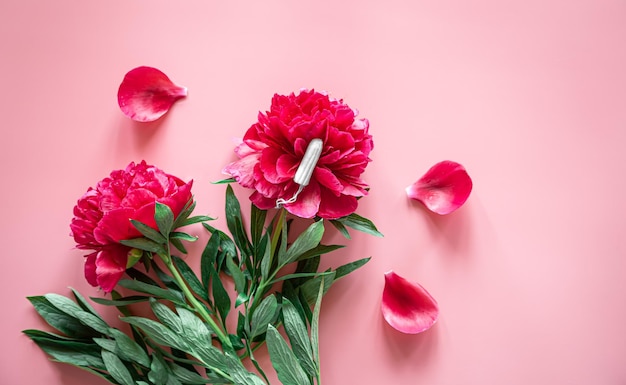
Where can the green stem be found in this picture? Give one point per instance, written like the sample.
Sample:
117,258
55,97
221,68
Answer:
195,303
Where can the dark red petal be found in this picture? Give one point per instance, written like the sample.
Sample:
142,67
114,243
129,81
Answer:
443,189
110,266
407,306
90,269
333,207
308,202
115,226
146,94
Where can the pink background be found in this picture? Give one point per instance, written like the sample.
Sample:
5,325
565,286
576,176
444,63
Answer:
529,95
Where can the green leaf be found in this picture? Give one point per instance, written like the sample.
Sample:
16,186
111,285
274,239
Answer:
315,324
59,319
158,373
298,337
183,236
257,224
129,350
187,376
298,275
266,262
348,268
158,332
190,277
283,360
167,316
121,301
342,229
309,288
264,314
194,329
149,232
144,244
70,308
234,222
185,213
220,296
209,256
84,304
106,344
226,244
193,220
156,291
178,245
139,276
309,265
359,223
116,368
240,375
81,354
309,239
164,218
237,274
319,250
225,181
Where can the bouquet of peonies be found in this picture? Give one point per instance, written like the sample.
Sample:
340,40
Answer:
303,160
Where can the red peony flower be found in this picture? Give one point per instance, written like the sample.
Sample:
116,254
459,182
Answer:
274,147
102,217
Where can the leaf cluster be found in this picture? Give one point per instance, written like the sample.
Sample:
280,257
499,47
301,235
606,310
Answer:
187,340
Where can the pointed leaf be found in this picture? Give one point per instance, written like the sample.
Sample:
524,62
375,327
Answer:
315,324
264,314
350,267
144,244
60,320
360,223
158,332
116,368
70,308
309,239
164,218
156,291
220,296
129,350
283,360
149,232
120,302
190,277
298,337
209,256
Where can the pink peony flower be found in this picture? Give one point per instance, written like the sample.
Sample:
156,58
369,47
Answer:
102,217
443,189
407,306
146,94
273,149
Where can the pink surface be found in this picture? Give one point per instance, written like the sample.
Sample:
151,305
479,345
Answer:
530,96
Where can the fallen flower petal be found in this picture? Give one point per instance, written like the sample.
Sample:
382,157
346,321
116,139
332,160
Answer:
443,189
146,94
407,306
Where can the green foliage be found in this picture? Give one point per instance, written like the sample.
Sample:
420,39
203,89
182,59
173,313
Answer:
187,339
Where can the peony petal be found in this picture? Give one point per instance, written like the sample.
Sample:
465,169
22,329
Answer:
443,189
146,94
407,306
110,266
90,269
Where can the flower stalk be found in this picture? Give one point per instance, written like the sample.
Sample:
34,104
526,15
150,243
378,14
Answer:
193,301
